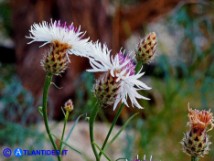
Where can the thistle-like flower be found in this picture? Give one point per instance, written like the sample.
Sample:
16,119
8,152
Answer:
64,34
64,40
146,48
196,141
120,81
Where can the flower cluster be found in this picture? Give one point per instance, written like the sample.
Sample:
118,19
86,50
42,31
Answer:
119,83
196,141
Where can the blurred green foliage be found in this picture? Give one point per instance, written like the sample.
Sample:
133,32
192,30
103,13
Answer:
84,92
5,17
17,115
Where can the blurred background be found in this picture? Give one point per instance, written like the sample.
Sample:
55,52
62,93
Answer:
182,72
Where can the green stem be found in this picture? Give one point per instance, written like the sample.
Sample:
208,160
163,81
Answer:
63,131
138,66
48,79
194,158
102,152
111,128
91,129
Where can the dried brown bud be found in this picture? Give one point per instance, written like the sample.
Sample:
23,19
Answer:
196,141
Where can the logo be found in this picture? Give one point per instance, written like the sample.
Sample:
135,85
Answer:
18,152
7,152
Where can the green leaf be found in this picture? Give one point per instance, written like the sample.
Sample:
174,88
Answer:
63,111
72,128
122,128
111,128
72,148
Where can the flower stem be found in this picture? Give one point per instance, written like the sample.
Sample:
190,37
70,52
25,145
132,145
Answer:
111,128
138,66
91,129
194,158
48,79
63,131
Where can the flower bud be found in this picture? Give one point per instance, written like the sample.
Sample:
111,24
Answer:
69,105
146,48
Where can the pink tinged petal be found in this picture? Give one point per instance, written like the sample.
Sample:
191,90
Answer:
56,31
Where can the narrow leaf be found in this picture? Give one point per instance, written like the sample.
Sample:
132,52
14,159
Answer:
122,128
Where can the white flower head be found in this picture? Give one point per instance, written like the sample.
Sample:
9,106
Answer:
122,70
61,33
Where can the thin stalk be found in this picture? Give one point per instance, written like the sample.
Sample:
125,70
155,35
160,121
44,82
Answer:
63,131
121,129
91,130
48,79
102,152
111,128
138,66
194,158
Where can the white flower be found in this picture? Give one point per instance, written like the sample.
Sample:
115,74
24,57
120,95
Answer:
100,58
62,33
122,68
